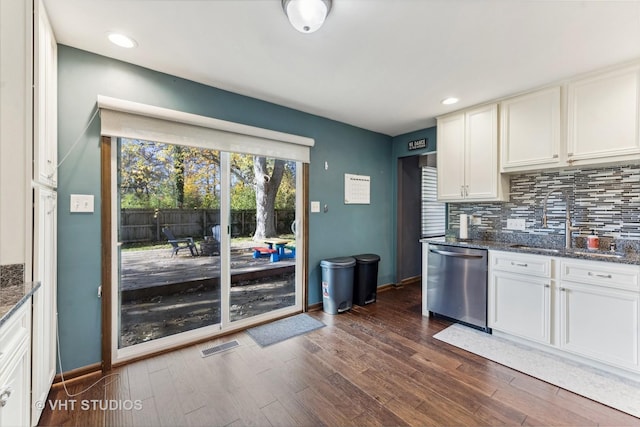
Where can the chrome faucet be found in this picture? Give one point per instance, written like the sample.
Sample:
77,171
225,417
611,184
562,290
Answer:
567,219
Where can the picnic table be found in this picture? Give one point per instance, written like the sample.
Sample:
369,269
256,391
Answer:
278,243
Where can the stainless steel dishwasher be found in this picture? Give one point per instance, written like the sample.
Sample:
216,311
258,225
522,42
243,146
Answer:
457,284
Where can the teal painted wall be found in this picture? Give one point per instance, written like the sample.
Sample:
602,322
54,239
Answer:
343,230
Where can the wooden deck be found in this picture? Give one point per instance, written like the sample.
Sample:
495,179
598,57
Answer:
152,268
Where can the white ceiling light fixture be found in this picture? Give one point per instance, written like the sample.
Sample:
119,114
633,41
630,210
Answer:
122,40
450,100
306,16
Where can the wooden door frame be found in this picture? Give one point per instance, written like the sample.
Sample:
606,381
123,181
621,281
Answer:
106,253
105,235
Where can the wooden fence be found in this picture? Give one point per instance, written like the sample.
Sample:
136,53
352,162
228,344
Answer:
145,225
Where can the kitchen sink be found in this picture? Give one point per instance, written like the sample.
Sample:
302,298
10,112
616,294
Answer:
535,248
598,254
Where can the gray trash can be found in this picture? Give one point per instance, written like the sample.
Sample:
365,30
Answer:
337,284
365,278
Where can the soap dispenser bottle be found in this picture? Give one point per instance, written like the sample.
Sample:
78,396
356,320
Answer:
593,242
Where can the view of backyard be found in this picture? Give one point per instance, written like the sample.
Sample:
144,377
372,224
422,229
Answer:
169,237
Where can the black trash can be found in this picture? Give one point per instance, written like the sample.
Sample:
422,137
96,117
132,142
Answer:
365,278
337,284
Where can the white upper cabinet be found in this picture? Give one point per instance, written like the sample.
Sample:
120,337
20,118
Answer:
603,117
530,131
45,101
468,156
451,157
592,119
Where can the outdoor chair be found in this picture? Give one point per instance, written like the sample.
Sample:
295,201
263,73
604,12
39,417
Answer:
178,244
215,232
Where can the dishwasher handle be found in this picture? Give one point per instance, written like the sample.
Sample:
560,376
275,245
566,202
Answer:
454,254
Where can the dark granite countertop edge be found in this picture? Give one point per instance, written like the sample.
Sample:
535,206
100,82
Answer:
30,289
627,258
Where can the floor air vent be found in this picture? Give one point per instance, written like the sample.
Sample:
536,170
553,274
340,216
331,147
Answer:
208,351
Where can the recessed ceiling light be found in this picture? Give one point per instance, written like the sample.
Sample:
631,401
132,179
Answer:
122,40
449,101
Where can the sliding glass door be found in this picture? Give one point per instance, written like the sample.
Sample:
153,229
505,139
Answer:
262,220
204,241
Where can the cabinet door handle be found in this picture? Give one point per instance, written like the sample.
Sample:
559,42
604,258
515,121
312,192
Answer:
563,289
604,276
547,286
517,264
462,190
4,396
466,191
555,156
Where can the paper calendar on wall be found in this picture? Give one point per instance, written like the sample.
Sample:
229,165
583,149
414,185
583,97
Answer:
357,189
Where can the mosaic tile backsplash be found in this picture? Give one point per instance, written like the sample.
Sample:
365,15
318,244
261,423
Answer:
604,199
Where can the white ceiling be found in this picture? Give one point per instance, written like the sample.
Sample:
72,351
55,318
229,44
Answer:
382,65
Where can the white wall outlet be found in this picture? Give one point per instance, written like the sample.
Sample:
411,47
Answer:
315,207
82,203
475,220
516,224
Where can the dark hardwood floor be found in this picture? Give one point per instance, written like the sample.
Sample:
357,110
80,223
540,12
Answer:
376,365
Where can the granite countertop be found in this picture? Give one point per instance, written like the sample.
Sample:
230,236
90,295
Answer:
13,297
622,257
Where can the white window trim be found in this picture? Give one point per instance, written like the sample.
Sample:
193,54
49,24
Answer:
433,212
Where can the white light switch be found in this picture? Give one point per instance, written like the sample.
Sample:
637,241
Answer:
81,203
315,207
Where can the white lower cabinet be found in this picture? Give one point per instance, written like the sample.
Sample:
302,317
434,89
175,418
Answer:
15,369
600,321
520,295
587,308
520,306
